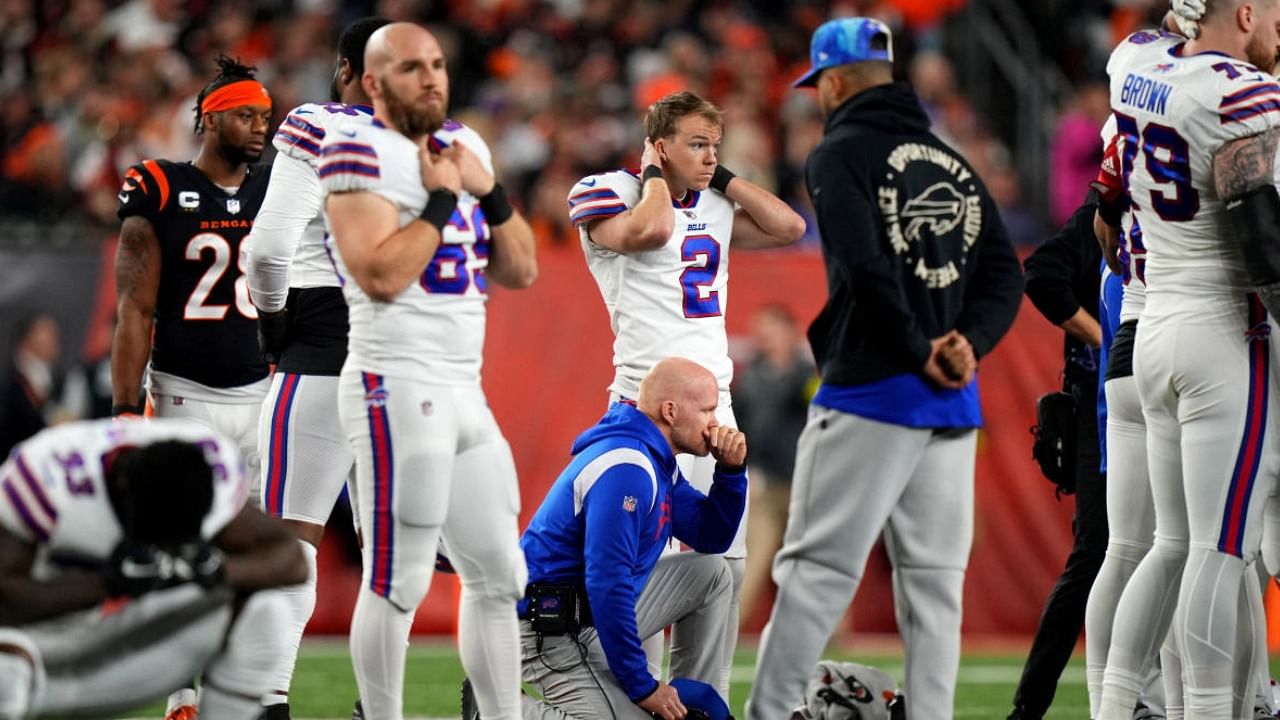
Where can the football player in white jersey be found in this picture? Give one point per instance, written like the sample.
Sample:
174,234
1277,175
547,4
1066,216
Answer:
302,317
1130,513
150,510
1194,117
657,243
419,228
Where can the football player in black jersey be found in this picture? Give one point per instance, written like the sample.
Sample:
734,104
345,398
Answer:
182,297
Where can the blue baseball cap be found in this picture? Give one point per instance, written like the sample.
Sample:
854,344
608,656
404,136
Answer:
697,695
844,41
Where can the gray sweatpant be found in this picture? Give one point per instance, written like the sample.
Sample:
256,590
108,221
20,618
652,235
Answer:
688,591
853,478
93,664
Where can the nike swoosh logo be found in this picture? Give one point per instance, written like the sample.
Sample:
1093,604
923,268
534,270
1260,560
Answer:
123,197
589,183
348,133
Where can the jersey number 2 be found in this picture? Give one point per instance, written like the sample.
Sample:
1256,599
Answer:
699,300
198,306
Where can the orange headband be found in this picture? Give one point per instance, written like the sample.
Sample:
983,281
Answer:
237,94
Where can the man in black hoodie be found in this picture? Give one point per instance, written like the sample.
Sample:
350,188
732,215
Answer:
922,282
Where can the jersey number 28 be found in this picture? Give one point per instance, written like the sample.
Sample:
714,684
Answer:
198,306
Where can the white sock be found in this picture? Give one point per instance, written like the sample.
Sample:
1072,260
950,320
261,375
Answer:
219,704
1120,691
252,654
379,640
1211,592
15,686
301,599
489,644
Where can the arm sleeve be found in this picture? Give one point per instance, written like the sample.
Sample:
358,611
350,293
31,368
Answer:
707,523
1053,270
292,201
852,241
994,290
611,543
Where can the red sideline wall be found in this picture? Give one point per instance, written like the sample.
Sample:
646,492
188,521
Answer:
548,363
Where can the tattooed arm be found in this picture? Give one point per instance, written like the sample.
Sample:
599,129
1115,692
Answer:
1245,164
137,285
1244,176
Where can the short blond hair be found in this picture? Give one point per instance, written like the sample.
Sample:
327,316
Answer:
660,120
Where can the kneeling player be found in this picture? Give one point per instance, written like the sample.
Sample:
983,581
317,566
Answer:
153,512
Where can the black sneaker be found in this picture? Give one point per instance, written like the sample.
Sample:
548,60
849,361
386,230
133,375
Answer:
470,710
357,713
279,711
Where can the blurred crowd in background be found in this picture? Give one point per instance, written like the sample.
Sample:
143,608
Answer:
88,87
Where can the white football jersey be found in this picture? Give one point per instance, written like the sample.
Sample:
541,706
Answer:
434,329
1174,112
54,484
1133,251
299,137
665,302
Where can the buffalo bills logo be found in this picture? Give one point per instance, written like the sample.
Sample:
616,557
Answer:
939,209
1260,331
376,398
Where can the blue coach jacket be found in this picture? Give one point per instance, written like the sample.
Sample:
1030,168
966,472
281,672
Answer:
607,518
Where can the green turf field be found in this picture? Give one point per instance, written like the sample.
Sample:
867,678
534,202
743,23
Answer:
325,688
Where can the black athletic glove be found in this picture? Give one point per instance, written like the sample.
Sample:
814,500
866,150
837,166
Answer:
273,334
135,569
200,563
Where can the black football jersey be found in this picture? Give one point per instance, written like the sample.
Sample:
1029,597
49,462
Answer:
205,324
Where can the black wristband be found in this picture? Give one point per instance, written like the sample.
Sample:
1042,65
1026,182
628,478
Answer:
495,206
439,208
720,180
651,172
127,410
1110,212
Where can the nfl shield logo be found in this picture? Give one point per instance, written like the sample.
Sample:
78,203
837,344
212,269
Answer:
629,503
233,206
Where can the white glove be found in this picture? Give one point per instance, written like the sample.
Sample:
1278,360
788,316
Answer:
1187,14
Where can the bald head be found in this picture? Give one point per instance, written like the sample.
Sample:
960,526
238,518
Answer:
676,379
406,78
680,397
394,41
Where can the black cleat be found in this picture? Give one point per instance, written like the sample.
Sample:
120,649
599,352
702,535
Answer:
279,711
470,710
357,713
